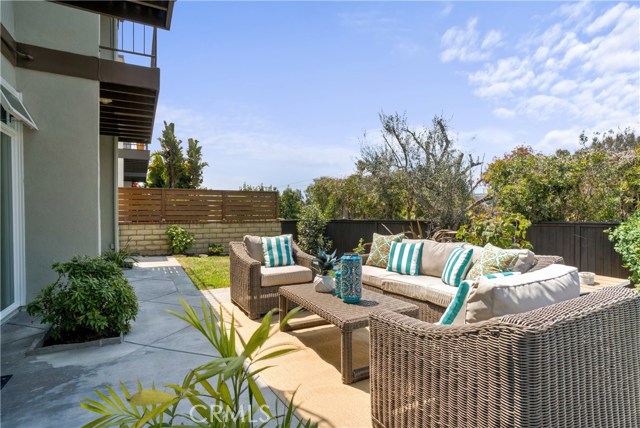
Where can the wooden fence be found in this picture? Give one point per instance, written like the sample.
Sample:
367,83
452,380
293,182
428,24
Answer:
138,205
584,245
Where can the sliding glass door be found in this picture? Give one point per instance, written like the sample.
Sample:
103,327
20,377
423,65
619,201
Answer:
8,284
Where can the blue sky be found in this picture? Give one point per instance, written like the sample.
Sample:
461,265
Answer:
282,92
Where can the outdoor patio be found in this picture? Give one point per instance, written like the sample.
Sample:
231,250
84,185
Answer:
45,390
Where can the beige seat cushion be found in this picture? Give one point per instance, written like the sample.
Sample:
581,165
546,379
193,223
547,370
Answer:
372,275
434,255
521,293
424,288
285,275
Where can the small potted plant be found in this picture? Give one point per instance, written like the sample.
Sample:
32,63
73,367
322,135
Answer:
324,264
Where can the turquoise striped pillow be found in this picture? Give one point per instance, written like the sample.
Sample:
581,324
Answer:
277,251
454,314
457,266
404,258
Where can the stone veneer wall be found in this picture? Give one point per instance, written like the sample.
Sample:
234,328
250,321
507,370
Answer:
151,239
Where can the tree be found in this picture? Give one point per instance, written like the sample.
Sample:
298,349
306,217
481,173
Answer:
194,166
157,176
291,203
434,181
171,149
259,188
600,182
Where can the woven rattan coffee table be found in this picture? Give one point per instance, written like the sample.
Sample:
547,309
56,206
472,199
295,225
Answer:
346,317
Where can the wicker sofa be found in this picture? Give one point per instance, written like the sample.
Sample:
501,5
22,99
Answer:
254,288
431,295
572,364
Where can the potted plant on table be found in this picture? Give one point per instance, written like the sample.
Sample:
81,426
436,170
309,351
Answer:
324,264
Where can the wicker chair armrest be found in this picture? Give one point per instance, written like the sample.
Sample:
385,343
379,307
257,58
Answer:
244,272
544,261
302,258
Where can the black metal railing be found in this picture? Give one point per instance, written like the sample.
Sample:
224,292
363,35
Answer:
131,38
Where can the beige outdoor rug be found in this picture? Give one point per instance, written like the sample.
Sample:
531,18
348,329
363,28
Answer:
314,371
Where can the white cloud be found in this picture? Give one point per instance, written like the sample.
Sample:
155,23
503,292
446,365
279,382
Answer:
466,44
582,68
447,9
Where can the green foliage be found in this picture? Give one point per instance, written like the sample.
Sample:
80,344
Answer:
595,183
90,297
121,257
360,249
259,188
291,203
179,239
215,249
324,262
193,166
157,176
215,390
433,180
626,239
171,149
311,229
504,231
170,168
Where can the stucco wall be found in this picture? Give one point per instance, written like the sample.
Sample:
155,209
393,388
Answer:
151,239
58,27
61,180
107,192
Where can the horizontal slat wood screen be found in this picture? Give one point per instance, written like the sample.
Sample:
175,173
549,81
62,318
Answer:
137,205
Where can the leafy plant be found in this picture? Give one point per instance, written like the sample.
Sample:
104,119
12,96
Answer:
324,262
215,249
504,231
626,239
91,297
215,390
360,248
311,229
121,257
179,239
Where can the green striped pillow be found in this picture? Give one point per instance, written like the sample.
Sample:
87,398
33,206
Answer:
404,257
277,251
456,311
457,266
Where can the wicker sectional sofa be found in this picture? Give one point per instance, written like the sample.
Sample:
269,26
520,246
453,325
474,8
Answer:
552,282
572,364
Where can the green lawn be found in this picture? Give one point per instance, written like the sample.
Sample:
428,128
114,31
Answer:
206,272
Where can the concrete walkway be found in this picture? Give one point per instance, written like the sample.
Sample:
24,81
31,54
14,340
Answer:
45,390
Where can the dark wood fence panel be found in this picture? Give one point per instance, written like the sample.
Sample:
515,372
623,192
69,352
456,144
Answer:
584,245
137,205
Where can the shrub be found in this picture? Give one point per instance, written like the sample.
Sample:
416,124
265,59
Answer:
360,249
224,391
311,228
91,297
504,231
179,239
121,257
215,249
626,239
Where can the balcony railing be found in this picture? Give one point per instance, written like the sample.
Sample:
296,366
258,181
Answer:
134,146
130,38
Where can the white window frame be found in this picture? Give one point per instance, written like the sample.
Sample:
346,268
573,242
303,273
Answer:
17,199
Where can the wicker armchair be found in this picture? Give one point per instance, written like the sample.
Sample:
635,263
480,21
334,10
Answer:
247,291
573,364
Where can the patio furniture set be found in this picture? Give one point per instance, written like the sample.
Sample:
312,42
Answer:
524,349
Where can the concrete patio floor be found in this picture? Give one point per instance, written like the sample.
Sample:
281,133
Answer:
45,390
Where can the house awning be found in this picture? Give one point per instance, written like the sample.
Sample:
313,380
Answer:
13,104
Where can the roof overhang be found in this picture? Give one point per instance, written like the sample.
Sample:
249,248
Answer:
149,12
128,99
